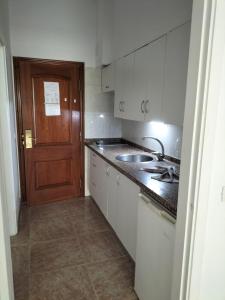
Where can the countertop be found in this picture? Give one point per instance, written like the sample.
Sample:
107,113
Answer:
165,194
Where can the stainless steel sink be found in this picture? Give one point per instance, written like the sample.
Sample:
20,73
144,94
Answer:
134,158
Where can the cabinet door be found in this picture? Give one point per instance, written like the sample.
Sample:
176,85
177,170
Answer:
112,197
108,79
123,86
101,193
154,257
136,105
155,63
118,88
92,175
176,75
127,197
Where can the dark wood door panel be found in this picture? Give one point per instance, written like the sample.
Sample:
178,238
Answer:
50,98
46,175
54,128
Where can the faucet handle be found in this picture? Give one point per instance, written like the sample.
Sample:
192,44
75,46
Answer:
159,155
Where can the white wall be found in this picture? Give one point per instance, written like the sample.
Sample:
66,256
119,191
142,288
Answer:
7,119
139,21
104,50
55,29
170,135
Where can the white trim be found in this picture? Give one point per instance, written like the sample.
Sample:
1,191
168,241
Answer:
6,278
199,156
7,147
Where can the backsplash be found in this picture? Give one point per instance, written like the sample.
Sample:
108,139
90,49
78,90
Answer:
99,116
170,135
101,125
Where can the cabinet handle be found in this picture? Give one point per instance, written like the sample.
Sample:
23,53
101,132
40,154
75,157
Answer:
146,106
157,210
94,165
107,87
142,106
168,217
120,106
107,171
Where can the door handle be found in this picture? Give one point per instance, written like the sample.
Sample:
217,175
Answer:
28,139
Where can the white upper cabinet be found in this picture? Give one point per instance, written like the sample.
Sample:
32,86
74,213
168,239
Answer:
155,79
146,104
176,75
108,78
123,86
139,83
151,82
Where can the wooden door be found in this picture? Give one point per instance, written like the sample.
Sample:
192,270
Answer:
50,108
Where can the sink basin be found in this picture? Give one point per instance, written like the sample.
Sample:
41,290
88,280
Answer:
134,158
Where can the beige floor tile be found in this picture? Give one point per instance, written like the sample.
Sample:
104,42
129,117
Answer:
23,234
48,211
101,246
55,255
51,228
21,286
64,284
20,259
113,280
68,251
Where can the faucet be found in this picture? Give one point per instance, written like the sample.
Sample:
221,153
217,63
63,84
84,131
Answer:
160,156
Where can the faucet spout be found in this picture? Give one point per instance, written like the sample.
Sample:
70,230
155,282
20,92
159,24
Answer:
160,156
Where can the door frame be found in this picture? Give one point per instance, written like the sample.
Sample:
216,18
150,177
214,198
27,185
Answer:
18,102
201,205
6,211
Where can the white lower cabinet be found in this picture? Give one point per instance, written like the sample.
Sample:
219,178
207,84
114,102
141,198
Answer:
92,174
117,197
155,251
112,197
145,230
98,181
127,203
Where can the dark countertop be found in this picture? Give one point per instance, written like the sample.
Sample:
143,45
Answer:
165,194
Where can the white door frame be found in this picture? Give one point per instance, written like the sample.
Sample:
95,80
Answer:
6,277
199,262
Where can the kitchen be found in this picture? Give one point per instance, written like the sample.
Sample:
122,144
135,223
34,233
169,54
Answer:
134,180
113,77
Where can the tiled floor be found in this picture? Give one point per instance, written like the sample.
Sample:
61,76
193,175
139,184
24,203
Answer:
67,251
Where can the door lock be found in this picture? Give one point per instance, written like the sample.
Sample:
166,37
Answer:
28,139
